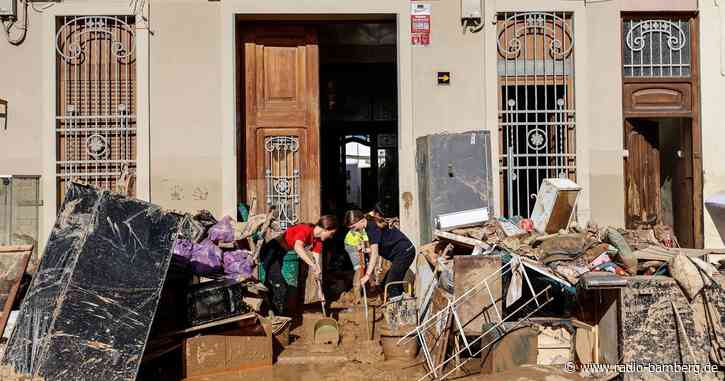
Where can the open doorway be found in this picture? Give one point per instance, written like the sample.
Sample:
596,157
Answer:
318,121
659,183
358,127
358,117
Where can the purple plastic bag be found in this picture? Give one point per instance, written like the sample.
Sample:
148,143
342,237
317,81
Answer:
206,258
182,250
238,264
222,231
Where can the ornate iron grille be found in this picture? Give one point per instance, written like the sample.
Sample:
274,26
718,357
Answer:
656,47
282,175
536,104
95,119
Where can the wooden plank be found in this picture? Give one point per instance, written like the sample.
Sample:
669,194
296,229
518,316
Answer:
436,337
460,239
13,263
210,325
477,309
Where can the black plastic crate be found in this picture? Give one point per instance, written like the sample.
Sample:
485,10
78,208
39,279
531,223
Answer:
215,300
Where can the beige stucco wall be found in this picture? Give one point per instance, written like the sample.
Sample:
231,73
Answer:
712,88
603,118
21,85
191,97
185,78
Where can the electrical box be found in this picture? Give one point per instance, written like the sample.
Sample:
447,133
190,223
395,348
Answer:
454,175
8,8
471,9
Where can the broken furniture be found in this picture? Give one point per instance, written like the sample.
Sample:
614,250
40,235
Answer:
477,310
660,326
555,205
89,308
248,346
450,314
13,262
455,174
19,212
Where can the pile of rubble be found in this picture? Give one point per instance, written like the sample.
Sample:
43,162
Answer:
574,251
593,293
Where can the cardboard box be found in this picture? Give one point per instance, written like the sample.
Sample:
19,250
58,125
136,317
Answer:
226,352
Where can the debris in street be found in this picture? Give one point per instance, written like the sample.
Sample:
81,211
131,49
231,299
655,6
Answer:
555,205
90,306
13,263
494,296
244,348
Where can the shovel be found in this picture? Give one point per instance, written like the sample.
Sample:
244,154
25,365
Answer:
361,255
326,331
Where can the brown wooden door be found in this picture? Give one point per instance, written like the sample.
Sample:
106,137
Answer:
682,188
642,171
281,120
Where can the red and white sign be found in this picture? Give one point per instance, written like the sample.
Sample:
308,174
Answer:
420,24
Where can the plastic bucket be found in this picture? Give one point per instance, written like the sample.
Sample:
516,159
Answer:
407,350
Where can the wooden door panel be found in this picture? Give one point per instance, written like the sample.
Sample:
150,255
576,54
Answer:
642,181
282,121
682,189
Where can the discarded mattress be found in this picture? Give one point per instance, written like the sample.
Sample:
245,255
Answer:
90,305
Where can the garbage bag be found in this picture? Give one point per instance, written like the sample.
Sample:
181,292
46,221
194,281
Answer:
238,264
222,231
206,258
182,250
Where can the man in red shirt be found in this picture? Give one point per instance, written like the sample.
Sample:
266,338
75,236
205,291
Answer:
301,238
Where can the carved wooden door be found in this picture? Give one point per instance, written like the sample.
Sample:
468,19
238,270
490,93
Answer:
281,121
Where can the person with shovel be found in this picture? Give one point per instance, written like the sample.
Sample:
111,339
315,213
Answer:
387,242
302,238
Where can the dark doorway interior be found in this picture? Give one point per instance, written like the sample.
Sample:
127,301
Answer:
358,113
659,182
358,129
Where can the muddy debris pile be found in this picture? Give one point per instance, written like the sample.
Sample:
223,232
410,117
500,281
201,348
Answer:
546,290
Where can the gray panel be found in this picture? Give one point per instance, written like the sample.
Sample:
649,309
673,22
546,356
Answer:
454,174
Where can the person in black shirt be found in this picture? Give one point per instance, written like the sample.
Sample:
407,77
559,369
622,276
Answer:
386,242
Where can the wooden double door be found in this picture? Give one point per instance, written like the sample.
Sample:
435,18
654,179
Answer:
280,121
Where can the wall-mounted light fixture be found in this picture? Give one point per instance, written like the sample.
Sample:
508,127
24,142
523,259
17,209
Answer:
3,114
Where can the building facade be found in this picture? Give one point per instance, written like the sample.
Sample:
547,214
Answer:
211,103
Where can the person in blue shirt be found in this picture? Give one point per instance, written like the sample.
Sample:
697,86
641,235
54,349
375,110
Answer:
386,242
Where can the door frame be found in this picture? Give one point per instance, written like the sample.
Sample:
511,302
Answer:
240,143
689,107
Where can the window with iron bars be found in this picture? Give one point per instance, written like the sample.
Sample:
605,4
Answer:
96,102
537,125
657,46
